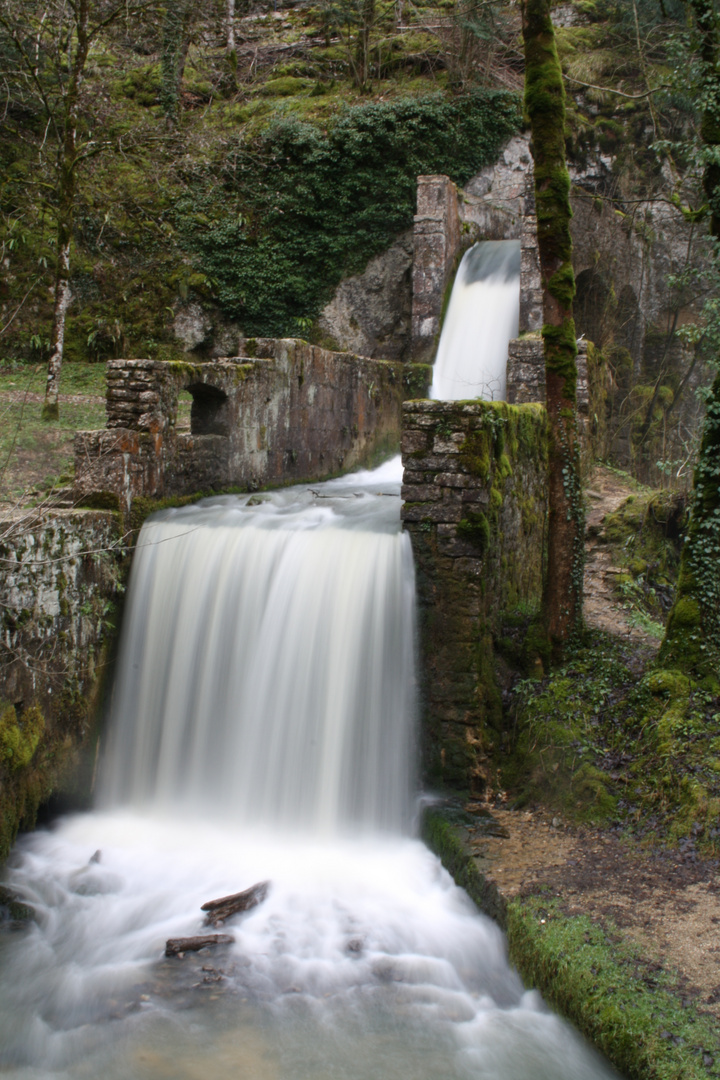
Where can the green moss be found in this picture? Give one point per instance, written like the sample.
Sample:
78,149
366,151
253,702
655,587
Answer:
102,500
286,86
19,737
475,529
601,982
596,743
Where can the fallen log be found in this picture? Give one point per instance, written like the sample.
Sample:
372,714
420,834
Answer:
218,911
180,945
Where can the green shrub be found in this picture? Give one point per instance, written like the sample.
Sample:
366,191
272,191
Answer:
299,207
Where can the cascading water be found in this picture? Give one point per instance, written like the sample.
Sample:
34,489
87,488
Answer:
261,731
276,684
482,317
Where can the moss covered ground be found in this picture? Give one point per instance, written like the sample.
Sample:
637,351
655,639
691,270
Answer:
601,741
616,735
631,1003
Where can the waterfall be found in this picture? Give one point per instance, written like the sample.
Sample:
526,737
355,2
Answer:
261,730
481,319
267,659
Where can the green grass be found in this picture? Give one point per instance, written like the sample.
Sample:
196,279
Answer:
36,456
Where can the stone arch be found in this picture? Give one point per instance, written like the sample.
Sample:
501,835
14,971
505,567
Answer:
592,306
209,411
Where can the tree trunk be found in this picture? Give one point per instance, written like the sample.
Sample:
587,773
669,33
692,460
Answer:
63,295
66,206
230,27
367,20
545,106
176,42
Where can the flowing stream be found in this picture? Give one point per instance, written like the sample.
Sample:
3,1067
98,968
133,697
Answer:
481,319
262,729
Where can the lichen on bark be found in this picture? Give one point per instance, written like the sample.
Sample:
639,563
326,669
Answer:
545,109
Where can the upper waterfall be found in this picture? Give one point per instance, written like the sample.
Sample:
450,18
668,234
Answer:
276,685
481,319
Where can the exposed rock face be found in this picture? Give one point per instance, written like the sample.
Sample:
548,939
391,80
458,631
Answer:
60,575
370,313
475,497
625,305
192,326
285,411
202,330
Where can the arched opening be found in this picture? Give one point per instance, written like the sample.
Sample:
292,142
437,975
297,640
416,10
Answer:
593,301
209,410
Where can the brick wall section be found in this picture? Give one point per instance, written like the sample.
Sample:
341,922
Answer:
436,241
475,499
286,411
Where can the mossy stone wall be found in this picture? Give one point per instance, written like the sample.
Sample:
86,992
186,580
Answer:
475,503
60,579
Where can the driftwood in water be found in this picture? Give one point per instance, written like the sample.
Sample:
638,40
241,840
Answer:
220,910
179,945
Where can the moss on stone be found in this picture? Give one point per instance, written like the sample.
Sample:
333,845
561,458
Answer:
19,736
475,528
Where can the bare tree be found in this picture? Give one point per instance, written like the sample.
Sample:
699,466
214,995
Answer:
50,42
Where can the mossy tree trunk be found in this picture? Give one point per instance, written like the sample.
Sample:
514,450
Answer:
545,107
177,26
692,637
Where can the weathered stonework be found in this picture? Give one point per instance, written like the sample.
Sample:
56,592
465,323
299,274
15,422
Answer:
286,411
526,372
59,577
475,500
436,240
499,204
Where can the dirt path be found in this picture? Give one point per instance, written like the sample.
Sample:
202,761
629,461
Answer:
605,493
669,904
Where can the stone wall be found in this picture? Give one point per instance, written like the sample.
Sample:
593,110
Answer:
526,372
436,241
286,411
60,573
497,204
475,501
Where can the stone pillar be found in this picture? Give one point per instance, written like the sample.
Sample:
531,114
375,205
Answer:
531,311
141,395
436,241
475,491
526,370
526,373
